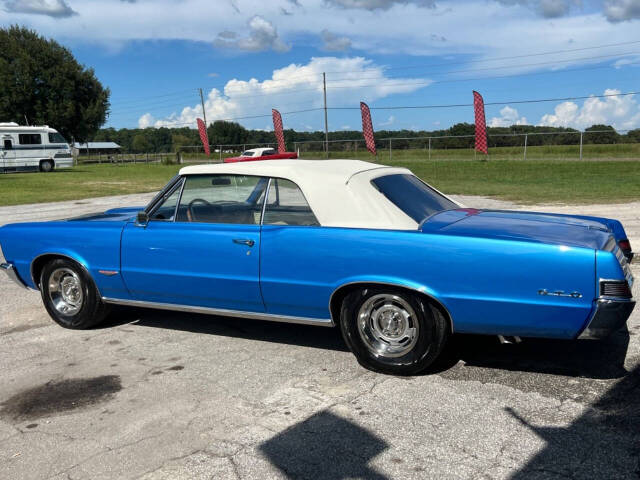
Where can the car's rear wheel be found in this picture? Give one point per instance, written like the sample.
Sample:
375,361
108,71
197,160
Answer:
393,331
46,166
70,296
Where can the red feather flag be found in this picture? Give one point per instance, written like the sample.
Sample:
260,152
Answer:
203,136
277,129
367,128
481,124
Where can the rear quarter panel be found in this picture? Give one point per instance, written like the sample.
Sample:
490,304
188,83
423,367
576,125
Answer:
488,286
95,245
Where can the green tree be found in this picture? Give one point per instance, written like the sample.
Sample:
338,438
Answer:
634,135
42,81
140,144
227,133
601,134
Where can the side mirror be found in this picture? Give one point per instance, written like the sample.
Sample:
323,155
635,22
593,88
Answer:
142,219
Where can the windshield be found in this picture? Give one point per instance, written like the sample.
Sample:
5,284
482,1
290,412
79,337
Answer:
412,195
55,137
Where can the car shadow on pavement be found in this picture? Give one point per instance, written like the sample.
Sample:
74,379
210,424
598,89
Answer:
603,359
596,359
604,442
325,447
276,332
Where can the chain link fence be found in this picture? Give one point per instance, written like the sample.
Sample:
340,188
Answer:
587,145
571,145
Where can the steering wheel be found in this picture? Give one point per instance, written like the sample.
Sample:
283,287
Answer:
191,216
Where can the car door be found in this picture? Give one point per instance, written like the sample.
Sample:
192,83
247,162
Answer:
291,267
201,246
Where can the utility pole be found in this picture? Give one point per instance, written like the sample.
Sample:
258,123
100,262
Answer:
204,114
326,121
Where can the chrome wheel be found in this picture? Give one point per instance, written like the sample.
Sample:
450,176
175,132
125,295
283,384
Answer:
65,291
388,325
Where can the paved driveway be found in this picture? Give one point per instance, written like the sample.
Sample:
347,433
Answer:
161,395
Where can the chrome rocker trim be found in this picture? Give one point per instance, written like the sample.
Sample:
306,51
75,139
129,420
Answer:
610,315
221,312
12,274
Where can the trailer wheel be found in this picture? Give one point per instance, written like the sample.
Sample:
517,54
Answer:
46,166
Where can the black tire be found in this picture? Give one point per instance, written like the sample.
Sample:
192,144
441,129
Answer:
90,309
409,359
46,166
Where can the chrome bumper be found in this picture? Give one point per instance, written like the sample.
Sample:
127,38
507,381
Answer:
12,274
610,315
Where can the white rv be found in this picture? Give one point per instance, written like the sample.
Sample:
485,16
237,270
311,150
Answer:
32,148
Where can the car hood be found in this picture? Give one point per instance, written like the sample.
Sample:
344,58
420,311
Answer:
521,226
113,215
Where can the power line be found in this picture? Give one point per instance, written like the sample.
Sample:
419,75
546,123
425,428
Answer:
512,102
405,107
495,68
407,67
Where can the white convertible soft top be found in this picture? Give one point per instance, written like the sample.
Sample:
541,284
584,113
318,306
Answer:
339,192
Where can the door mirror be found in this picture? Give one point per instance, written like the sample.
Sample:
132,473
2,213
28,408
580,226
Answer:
142,219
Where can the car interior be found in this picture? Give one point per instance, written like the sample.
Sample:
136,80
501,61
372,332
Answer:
233,199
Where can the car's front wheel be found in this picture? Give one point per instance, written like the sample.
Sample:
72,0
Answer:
392,331
70,296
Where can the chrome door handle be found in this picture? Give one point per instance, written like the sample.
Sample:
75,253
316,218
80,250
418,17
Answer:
244,241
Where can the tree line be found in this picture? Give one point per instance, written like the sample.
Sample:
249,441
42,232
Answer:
161,140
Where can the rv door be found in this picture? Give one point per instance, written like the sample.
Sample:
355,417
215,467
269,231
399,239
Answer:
8,154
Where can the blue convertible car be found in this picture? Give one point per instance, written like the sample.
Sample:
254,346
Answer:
396,264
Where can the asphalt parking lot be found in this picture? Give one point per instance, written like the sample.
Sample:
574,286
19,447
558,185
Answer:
160,395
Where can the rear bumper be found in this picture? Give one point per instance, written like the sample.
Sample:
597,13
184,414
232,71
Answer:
610,315
12,274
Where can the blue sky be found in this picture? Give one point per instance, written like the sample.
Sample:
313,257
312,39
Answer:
250,56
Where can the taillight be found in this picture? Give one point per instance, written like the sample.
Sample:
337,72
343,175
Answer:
625,245
615,288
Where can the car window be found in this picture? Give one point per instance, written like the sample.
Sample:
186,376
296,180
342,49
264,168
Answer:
55,137
412,195
29,139
248,153
286,205
222,199
167,209
268,152
8,145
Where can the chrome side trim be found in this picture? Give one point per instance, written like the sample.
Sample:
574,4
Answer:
221,312
399,285
12,274
108,273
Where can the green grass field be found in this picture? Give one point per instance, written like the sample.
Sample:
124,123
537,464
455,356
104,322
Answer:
531,181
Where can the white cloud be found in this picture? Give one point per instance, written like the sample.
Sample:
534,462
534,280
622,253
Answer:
623,62
262,36
406,28
390,121
51,8
621,10
379,4
297,85
146,121
546,8
622,112
333,42
508,116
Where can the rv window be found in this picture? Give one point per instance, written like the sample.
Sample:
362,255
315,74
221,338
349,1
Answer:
55,137
8,145
30,139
